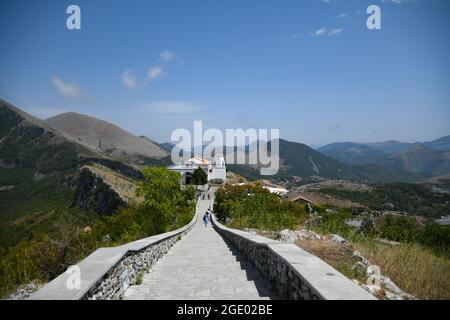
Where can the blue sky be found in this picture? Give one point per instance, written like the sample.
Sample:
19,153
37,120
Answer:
310,68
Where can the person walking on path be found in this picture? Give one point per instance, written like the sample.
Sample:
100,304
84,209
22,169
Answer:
205,219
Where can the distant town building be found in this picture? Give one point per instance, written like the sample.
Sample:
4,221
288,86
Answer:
269,185
444,220
297,197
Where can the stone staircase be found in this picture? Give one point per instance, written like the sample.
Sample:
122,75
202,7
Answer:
201,266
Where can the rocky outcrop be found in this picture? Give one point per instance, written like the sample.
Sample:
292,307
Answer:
92,192
294,235
117,166
25,291
377,283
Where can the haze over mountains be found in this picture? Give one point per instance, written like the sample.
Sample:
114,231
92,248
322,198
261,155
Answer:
426,158
87,136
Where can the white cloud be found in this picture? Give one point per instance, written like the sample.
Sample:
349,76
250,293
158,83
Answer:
129,79
319,32
398,1
168,55
70,90
335,31
325,32
171,107
342,16
155,72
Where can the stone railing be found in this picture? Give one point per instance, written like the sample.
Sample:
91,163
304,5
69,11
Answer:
107,272
292,272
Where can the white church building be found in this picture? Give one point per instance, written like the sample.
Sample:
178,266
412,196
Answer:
214,170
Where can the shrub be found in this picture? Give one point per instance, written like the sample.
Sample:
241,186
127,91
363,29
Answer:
139,278
199,177
399,228
256,207
436,237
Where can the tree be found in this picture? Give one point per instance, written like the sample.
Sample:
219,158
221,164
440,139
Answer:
400,228
189,193
199,177
162,196
436,237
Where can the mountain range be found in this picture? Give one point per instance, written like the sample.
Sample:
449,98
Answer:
80,167
424,158
107,138
63,140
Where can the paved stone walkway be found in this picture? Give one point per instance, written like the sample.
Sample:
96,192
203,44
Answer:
201,266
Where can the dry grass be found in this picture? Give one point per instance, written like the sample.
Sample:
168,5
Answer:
413,268
335,254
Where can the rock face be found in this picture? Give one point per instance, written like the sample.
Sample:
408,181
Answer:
92,192
338,238
24,291
378,284
294,235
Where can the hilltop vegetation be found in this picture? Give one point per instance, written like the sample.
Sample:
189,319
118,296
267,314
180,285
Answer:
255,207
34,205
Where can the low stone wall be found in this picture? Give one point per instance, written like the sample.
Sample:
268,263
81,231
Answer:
292,272
107,272
115,282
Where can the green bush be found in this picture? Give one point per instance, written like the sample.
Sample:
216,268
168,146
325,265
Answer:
255,207
399,228
436,237
139,279
334,222
199,177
